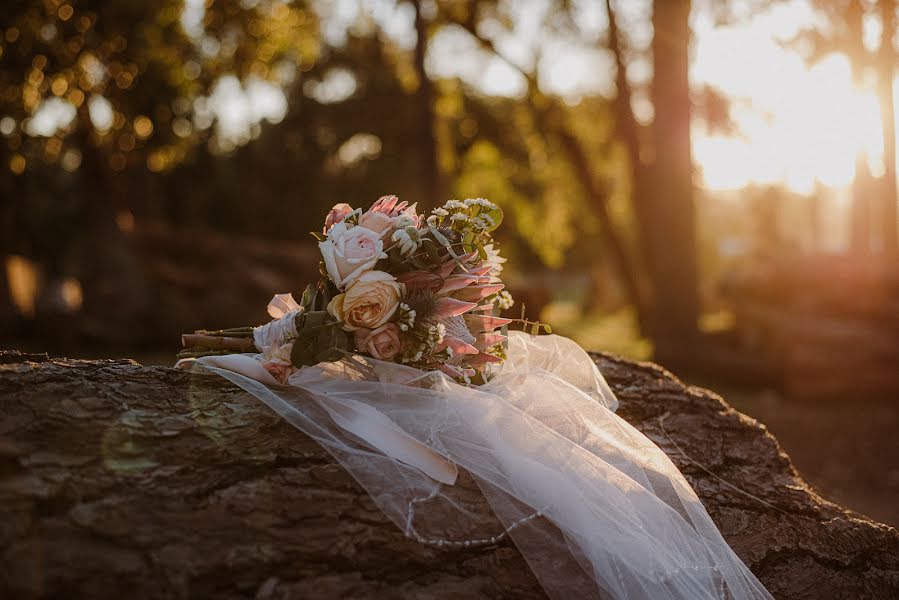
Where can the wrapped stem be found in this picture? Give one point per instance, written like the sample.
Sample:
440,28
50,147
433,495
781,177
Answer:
214,342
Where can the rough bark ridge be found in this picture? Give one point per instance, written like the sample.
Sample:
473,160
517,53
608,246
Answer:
121,481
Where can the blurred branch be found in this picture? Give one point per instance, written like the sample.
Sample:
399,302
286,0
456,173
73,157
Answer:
425,96
627,129
546,110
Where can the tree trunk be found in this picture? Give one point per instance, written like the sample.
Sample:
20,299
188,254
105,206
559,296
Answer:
430,173
860,217
612,241
627,130
109,272
675,277
886,72
120,481
7,217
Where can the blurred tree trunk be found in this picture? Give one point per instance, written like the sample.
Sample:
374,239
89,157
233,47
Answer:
430,173
860,217
886,70
111,280
7,310
613,242
674,313
628,132
862,185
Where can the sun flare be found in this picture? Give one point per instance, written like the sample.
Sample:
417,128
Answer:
796,124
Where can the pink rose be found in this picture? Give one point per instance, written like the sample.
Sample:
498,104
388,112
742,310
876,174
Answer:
382,343
378,222
338,214
350,252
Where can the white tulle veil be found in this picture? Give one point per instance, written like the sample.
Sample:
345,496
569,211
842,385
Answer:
596,509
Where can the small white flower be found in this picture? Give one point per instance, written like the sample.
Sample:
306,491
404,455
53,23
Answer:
459,217
406,319
494,260
480,202
454,205
504,300
439,212
479,223
402,221
407,239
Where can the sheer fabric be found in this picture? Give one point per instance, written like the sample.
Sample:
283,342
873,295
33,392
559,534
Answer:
596,509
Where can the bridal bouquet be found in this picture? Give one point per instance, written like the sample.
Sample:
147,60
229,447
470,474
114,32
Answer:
395,286
376,364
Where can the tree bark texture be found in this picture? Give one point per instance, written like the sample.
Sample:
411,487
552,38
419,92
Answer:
124,481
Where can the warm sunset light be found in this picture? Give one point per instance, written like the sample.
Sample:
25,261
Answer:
418,298
796,124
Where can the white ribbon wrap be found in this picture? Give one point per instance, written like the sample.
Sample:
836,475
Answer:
276,333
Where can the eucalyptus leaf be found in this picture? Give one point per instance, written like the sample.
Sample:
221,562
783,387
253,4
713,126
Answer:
309,296
497,215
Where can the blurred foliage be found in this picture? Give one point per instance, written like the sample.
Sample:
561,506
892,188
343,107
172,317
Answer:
125,90
111,119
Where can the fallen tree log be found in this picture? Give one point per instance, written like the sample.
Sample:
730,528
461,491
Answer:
123,481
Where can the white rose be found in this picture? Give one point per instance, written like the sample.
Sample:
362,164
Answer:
349,253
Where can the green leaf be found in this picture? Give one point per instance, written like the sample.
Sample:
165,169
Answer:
302,353
443,241
497,215
432,250
324,295
468,241
309,296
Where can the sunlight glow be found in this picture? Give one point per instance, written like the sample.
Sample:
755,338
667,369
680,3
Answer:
795,124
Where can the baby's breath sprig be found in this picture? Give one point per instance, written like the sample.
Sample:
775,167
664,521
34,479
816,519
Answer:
405,317
503,300
427,341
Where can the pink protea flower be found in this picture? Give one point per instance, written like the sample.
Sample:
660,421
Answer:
420,280
457,289
389,205
338,213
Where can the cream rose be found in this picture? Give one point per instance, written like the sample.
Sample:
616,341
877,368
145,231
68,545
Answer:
377,222
349,253
368,303
383,342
